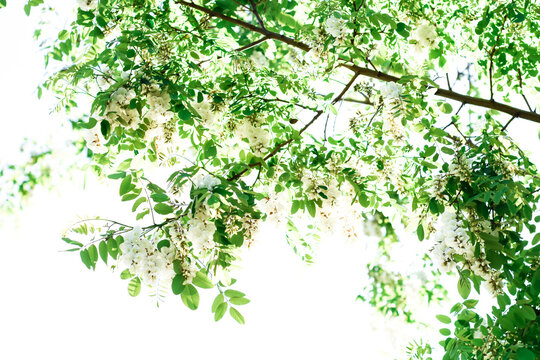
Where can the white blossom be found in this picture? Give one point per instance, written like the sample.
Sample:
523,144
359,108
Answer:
119,112
425,36
144,260
391,91
336,27
87,5
95,140
205,180
257,137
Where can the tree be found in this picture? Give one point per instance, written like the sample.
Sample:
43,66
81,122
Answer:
342,110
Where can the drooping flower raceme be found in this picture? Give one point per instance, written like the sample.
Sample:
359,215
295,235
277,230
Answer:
451,238
143,259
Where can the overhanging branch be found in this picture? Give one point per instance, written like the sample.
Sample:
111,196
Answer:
358,70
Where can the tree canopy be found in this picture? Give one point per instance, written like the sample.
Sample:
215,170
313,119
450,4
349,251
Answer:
316,117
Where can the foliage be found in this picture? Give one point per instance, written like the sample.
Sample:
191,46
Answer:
246,103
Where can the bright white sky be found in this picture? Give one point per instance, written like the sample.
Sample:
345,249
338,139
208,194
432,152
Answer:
53,307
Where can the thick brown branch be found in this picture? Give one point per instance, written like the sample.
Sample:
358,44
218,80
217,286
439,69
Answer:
489,104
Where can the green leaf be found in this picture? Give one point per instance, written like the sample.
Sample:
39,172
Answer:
471,303
112,248
202,281
63,35
86,258
217,301
190,297
125,185
105,128
234,293
444,319
235,314
93,253
72,242
163,209
163,243
124,275
420,232
310,205
536,239
138,202
178,286
464,287
445,332
491,241
184,114
528,313
124,165
118,175
129,197
525,354
177,266
238,301
447,150
446,108
134,287
221,309
159,197
103,251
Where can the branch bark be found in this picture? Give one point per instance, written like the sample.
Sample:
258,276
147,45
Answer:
358,70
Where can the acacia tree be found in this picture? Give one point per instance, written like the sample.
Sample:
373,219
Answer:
393,114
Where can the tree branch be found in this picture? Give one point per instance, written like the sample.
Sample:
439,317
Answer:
283,144
255,43
358,70
256,13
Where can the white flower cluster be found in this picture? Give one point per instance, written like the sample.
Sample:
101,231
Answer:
87,5
144,260
462,168
336,27
207,111
159,104
201,229
316,56
95,140
189,270
425,36
391,91
204,180
451,238
275,206
120,113
258,138
392,112
337,214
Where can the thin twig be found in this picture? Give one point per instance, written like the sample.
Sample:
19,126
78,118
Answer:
508,123
256,13
255,43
